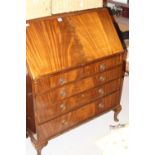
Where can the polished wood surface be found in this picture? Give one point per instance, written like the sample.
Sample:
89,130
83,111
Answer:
30,118
52,81
75,72
55,44
81,85
76,117
48,109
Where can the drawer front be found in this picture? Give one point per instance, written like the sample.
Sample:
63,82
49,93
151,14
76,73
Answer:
101,66
43,85
85,84
47,110
47,83
76,117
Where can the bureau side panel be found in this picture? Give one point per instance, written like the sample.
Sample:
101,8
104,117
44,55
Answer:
30,121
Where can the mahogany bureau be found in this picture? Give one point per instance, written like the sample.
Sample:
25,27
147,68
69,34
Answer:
75,71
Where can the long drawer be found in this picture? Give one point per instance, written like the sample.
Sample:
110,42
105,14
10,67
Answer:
47,110
49,82
76,117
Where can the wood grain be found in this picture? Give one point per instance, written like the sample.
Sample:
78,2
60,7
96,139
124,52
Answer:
75,65
30,118
76,117
47,109
53,46
52,81
81,85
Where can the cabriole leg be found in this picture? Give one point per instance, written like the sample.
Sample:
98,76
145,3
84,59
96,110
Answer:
116,112
39,147
39,151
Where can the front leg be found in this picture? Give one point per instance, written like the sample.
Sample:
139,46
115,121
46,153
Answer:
37,143
116,112
39,147
39,151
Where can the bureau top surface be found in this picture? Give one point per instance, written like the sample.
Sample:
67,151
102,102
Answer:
57,43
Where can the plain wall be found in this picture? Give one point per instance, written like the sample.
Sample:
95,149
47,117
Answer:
42,8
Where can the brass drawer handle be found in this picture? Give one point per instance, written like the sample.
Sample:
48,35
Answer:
82,95
101,105
102,78
101,91
63,106
64,122
62,93
62,81
102,67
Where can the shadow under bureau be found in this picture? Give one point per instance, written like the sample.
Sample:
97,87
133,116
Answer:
75,70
